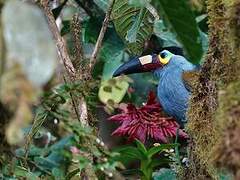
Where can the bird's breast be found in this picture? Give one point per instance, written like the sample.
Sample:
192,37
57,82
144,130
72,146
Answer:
173,95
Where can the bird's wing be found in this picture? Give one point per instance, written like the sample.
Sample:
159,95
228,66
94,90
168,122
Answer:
189,79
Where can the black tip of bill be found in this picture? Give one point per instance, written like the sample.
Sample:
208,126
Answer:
130,67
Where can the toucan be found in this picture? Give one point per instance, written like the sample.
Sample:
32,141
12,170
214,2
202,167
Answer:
173,90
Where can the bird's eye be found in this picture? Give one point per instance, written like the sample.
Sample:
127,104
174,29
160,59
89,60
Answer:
163,54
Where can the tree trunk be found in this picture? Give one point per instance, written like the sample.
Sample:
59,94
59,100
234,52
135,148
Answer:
214,111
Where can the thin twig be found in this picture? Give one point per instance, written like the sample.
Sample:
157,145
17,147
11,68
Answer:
98,45
60,42
74,103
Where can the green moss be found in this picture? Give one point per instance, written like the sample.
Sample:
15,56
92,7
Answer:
207,113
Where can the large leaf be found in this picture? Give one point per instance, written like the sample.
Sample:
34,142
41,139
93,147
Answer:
167,37
181,20
112,54
133,24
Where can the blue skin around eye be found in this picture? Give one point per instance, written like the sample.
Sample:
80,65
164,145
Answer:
172,92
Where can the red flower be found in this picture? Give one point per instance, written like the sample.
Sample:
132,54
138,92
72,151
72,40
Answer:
145,122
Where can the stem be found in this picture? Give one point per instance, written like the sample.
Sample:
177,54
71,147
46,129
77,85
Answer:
98,45
146,169
176,148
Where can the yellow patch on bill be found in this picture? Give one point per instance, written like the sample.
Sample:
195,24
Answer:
145,59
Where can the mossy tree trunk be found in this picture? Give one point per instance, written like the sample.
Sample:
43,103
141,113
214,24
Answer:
214,113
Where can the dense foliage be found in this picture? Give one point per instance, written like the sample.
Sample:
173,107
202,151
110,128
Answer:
54,125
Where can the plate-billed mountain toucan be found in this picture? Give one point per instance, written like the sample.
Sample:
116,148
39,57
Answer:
173,91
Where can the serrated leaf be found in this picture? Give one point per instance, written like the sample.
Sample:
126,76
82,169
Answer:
133,25
181,20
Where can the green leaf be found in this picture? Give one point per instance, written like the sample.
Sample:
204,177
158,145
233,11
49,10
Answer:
22,172
33,151
167,37
181,20
138,3
130,152
102,4
225,175
111,65
112,53
132,172
205,41
131,36
141,147
201,18
156,149
156,162
66,27
57,173
134,25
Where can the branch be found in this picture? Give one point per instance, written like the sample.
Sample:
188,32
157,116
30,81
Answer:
60,43
98,45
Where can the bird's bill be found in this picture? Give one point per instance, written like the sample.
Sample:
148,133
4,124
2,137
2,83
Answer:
138,65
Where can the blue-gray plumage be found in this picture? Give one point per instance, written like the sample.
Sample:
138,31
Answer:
173,91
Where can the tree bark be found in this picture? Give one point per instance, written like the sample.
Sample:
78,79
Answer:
214,112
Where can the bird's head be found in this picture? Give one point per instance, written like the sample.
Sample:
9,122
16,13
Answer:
163,60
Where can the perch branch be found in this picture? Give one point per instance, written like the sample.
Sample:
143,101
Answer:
98,45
